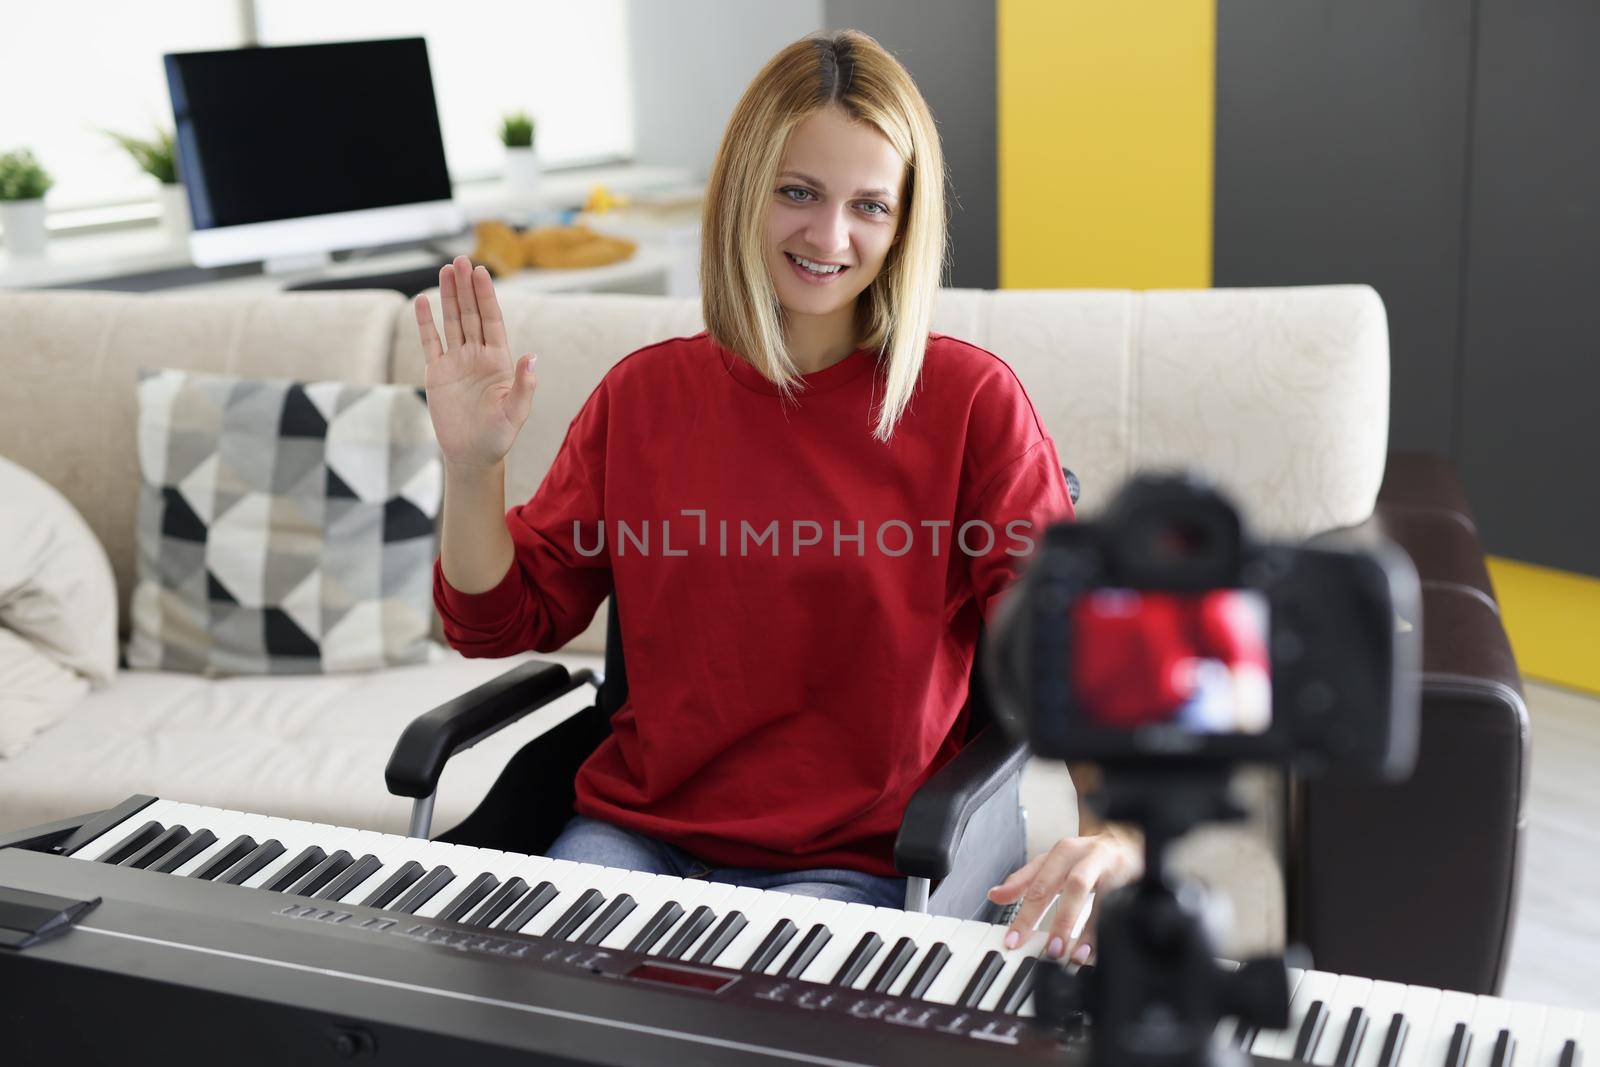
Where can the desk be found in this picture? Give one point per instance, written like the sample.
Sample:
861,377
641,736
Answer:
146,259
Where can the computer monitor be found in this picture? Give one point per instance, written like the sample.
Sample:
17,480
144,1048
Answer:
290,153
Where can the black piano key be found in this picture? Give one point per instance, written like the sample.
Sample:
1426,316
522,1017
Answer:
469,898
806,951
169,839
1244,1035
988,970
132,843
253,864
323,873
1355,1031
1019,987
296,869
903,952
731,926
858,959
587,904
192,846
1505,1050
781,934
1460,1045
929,969
665,918
683,939
1394,1041
236,850
536,901
620,908
426,888
1569,1054
353,875
1305,1043
498,904
394,885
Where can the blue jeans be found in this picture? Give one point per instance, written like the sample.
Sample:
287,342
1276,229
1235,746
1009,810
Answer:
586,840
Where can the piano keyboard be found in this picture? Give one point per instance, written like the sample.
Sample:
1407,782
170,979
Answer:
1334,1019
877,950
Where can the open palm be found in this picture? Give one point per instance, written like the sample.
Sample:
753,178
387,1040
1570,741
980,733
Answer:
478,397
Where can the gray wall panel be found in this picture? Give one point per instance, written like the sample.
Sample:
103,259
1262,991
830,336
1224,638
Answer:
1531,348
949,48
1341,133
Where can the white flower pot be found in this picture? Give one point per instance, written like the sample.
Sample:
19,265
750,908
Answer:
175,212
522,170
23,222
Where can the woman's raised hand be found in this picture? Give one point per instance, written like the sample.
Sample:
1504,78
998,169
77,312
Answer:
478,397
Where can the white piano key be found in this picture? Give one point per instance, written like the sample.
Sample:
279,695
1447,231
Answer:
1349,992
649,892
774,906
743,900
601,879
808,911
1421,1005
845,930
1279,1044
1386,999
711,897
1490,1015
1526,1024
1560,1026
940,929
1032,946
293,836
964,957
1454,1007
904,924
569,887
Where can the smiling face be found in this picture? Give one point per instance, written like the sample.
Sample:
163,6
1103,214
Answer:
834,213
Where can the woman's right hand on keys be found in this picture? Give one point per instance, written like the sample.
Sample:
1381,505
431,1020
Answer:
478,397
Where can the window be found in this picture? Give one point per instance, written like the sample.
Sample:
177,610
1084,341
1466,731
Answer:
71,68
81,66
565,63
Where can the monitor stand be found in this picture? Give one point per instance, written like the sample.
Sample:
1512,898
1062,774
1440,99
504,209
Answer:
309,261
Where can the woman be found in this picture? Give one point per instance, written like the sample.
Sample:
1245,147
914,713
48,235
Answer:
835,498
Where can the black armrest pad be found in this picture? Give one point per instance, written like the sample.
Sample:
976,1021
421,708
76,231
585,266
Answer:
938,813
433,737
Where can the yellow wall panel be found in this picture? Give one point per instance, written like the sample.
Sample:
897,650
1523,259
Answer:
1553,620
1105,142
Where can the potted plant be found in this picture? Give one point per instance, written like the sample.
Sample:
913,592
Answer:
517,132
23,184
158,158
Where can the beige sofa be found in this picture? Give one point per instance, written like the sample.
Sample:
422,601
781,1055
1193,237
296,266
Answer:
1280,394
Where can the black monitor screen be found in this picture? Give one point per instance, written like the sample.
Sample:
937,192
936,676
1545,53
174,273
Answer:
284,133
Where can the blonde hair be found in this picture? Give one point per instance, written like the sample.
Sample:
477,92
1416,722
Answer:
851,71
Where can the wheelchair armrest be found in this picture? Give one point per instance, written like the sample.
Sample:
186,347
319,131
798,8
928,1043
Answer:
433,737
938,813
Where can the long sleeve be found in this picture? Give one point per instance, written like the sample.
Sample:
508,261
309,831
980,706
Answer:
1013,486
560,574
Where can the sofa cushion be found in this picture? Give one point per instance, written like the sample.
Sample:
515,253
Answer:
56,588
284,527
310,747
35,692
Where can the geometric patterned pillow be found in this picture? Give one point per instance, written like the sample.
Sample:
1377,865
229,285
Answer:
284,527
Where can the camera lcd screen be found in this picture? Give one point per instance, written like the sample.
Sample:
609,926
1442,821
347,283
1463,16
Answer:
1174,661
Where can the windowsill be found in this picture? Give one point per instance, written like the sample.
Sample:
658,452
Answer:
121,239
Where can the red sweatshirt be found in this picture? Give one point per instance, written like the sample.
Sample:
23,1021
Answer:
799,613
